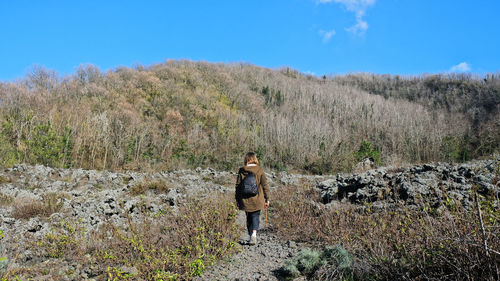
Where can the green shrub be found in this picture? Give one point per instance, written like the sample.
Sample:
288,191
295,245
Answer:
290,271
47,147
325,265
67,239
308,261
454,149
366,150
8,153
338,265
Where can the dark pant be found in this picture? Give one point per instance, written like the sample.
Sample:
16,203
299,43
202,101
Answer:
253,221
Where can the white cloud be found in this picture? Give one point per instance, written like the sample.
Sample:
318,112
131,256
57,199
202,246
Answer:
326,34
461,67
360,27
359,8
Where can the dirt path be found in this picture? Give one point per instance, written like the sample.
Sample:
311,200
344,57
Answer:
259,262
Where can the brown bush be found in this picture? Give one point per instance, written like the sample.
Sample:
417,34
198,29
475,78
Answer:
403,244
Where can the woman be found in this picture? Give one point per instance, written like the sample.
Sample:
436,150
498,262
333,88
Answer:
252,205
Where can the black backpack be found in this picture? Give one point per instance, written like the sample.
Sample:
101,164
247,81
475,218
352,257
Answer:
248,185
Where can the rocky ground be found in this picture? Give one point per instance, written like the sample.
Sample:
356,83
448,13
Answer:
429,185
92,198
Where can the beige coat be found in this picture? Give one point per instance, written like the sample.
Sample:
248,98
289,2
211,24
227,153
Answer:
255,203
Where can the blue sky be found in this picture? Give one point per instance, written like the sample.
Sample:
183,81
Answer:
314,36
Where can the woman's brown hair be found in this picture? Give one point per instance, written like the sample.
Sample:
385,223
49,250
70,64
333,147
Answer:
251,158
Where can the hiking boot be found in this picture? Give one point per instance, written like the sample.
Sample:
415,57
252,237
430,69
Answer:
253,239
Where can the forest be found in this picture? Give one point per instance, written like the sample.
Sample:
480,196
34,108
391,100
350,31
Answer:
185,114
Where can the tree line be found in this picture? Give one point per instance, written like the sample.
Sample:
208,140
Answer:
184,114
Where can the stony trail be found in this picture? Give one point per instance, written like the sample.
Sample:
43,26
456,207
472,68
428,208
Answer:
259,262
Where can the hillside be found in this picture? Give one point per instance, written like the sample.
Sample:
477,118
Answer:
477,97
189,114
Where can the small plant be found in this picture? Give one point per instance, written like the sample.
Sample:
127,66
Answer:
64,240
161,275
324,265
290,271
115,274
338,264
197,267
4,262
306,263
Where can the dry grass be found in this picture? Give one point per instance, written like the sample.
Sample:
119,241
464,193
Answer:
4,179
396,244
26,208
5,200
227,181
155,186
181,246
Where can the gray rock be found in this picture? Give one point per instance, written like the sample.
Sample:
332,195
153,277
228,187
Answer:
33,225
415,185
27,256
9,221
287,179
366,164
171,198
130,270
4,263
20,168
